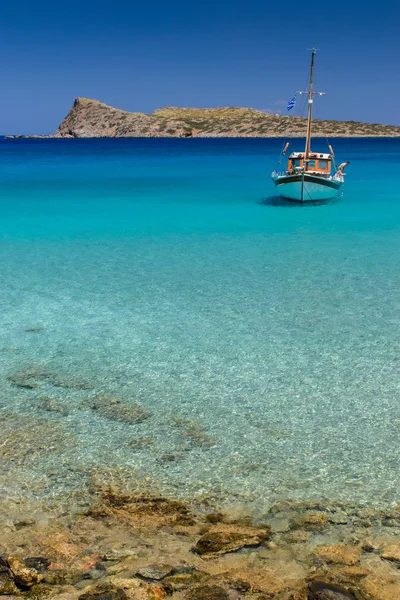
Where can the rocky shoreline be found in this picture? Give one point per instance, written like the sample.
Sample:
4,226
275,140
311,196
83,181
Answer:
93,119
141,546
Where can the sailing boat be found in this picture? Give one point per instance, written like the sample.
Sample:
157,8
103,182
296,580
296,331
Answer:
308,177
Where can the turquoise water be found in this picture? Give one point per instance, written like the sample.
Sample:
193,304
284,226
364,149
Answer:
262,337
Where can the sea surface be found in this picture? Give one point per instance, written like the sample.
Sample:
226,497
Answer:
260,338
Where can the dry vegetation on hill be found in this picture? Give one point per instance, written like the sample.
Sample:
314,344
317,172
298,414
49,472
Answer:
90,118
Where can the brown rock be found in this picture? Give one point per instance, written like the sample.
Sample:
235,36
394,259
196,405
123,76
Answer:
216,517
104,591
338,554
392,553
41,592
7,585
207,592
155,592
355,572
311,521
221,542
181,581
154,572
319,590
296,537
377,589
22,575
64,576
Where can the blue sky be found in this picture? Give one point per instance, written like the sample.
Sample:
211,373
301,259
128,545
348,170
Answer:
143,55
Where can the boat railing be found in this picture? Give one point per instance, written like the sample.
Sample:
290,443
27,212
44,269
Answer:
338,177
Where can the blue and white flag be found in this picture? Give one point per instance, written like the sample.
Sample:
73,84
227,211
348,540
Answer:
291,103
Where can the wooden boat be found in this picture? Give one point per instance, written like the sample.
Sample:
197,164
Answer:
308,177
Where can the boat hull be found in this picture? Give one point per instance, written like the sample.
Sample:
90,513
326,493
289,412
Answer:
307,188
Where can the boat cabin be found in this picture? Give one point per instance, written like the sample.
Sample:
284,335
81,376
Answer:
317,163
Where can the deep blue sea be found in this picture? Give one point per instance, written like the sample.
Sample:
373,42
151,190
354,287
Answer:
262,337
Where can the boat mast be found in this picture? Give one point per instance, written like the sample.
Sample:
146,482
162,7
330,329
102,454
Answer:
310,103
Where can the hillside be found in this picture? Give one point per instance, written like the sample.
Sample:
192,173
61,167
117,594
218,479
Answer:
90,118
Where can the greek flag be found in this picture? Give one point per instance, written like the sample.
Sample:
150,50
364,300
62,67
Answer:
291,103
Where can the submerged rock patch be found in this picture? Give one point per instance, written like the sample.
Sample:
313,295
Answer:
319,590
104,591
31,377
50,405
339,554
23,575
207,592
194,433
141,443
24,439
28,378
116,409
221,541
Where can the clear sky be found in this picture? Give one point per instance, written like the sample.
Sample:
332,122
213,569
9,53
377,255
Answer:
139,56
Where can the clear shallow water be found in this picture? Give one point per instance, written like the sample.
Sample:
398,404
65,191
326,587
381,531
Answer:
164,272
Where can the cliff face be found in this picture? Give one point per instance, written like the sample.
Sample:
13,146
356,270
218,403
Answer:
90,118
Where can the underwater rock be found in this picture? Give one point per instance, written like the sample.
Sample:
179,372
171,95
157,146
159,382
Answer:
39,563
215,543
41,592
28,378
64,576
154,592
24,523
169,457
23,576
194,433
207,592
311,521
7,584
339,554
104,591
392,553
116,409
141,443
49,405
338,518
69,384
182,581
216,517
154,572
145,510
295,537
320,590
25,439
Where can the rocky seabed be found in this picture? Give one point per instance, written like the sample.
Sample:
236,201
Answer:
145,547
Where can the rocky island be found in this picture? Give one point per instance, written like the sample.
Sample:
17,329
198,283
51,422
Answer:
92,119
